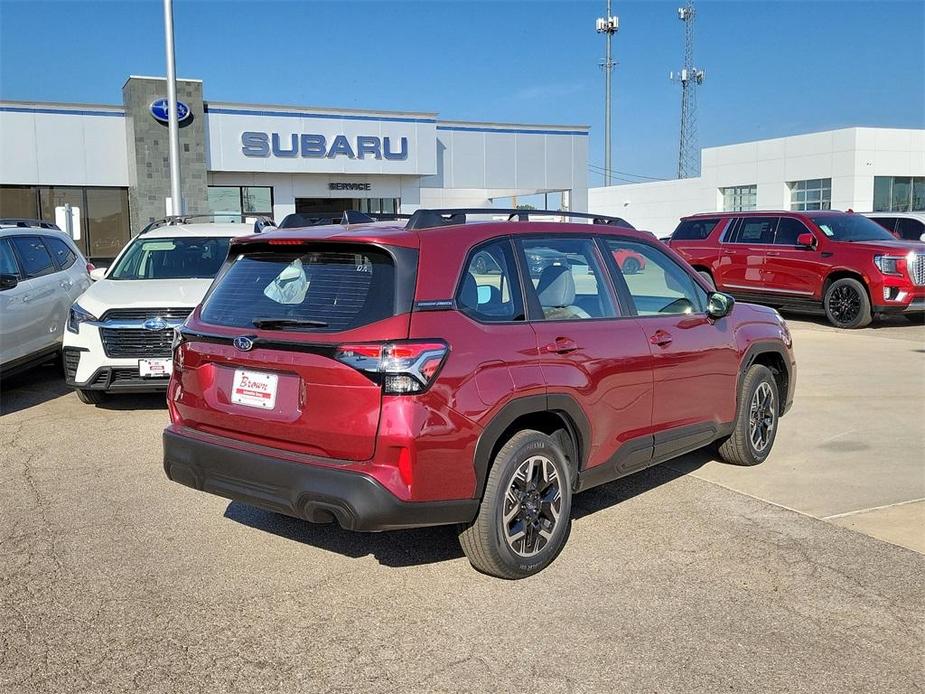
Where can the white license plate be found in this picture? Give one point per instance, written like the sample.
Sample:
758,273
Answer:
254,389
155,368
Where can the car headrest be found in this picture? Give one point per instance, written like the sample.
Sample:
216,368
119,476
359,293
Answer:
469,296
556,287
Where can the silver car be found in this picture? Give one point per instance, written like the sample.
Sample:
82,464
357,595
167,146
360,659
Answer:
41,274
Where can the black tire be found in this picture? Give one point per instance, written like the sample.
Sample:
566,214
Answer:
486,540
91,397
630,266
708,277
847,304
740,448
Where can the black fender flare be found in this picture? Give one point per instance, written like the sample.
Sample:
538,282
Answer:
560,404
764,347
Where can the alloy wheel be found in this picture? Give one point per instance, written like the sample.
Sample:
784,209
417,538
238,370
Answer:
531,506
761,417
844,304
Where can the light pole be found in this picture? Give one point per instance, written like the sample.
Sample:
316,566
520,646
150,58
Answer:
608,26
173,122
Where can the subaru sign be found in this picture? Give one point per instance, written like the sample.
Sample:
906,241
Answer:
311,146
160,109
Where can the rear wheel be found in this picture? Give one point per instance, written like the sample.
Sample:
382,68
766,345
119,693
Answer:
91,397
756,419
525,515
630,266
847,304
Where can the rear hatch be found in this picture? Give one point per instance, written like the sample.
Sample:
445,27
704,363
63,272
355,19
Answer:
262,359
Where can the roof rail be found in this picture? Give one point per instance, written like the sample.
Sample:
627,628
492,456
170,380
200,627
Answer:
307,219
22,222
260,222
430,218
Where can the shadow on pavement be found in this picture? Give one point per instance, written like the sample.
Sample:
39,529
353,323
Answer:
879,323
400,548
32,387
134,401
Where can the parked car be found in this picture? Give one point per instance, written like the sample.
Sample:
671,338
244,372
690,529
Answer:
839,263
41,273
374,377
120,330
908,226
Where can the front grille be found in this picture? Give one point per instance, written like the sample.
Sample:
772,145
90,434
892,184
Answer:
136,342
130,377
917,269
71,360
121,314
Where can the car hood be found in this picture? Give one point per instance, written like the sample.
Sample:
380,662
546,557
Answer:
886,246
107,294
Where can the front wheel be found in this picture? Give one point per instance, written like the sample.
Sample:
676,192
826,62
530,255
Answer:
525,515
91,397
630,266
847,304
756,419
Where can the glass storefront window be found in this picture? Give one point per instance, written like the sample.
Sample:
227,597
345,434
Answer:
106,220
740,198
813,194
257,200
224,200
882,193
899,193
241,200
18,202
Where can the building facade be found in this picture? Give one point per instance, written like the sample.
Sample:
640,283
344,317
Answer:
111,162
863,169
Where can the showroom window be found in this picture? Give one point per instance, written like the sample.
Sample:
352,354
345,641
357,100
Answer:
241,200
814,194
740,198
899,193
104,219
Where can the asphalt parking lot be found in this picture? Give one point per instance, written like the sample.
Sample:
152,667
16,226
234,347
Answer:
806,573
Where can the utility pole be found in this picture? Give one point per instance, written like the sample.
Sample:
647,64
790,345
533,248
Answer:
173,122
608,26
690,78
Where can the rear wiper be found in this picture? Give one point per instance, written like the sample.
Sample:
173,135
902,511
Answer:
282,323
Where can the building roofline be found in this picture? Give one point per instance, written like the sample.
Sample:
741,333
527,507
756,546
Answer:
815,132
160,79
308,110
63,105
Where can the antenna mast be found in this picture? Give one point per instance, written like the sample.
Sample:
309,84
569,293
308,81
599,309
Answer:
608,26
689,77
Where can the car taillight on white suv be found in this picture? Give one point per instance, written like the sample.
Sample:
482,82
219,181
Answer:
403,368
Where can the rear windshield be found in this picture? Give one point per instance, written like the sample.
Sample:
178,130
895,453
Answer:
693,229
328,290
171,259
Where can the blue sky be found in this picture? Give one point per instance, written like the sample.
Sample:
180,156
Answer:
773,67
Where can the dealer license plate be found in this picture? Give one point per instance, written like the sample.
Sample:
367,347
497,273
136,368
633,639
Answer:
254,389
155,368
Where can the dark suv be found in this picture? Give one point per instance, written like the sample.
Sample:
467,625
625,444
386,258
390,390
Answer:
390,376
841,263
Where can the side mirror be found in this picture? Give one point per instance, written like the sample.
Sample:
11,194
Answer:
806,240
98,273
8,281
719,305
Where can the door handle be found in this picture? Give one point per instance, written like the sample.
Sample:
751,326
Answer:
562,345
26,298
661,338
775,253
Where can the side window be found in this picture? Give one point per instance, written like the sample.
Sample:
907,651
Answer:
36,262
756,230
788,229
694,229
888,223
8,264
61,252
566,279
656,283
490,291
910,229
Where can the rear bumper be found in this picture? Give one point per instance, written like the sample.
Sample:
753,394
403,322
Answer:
313,493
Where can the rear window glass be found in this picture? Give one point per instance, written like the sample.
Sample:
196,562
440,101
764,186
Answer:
328,290
694,229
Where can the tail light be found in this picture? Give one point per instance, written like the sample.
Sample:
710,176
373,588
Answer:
401,367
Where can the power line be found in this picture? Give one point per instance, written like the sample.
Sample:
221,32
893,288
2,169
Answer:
601,169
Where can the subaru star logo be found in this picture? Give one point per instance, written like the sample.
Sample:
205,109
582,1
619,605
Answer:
157,323
161,110
245,344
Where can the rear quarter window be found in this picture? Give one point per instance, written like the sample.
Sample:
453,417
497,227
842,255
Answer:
331,289
694,229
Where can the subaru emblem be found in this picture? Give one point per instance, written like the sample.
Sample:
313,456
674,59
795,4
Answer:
245,344
157,323
161,110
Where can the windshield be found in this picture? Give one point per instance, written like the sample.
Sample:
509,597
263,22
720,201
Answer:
851,227
171,259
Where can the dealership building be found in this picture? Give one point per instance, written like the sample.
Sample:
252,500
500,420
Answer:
863,169
111,161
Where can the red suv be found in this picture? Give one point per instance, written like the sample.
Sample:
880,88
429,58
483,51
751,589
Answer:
843,263
386,376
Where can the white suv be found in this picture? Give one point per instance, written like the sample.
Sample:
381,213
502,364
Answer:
119,332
